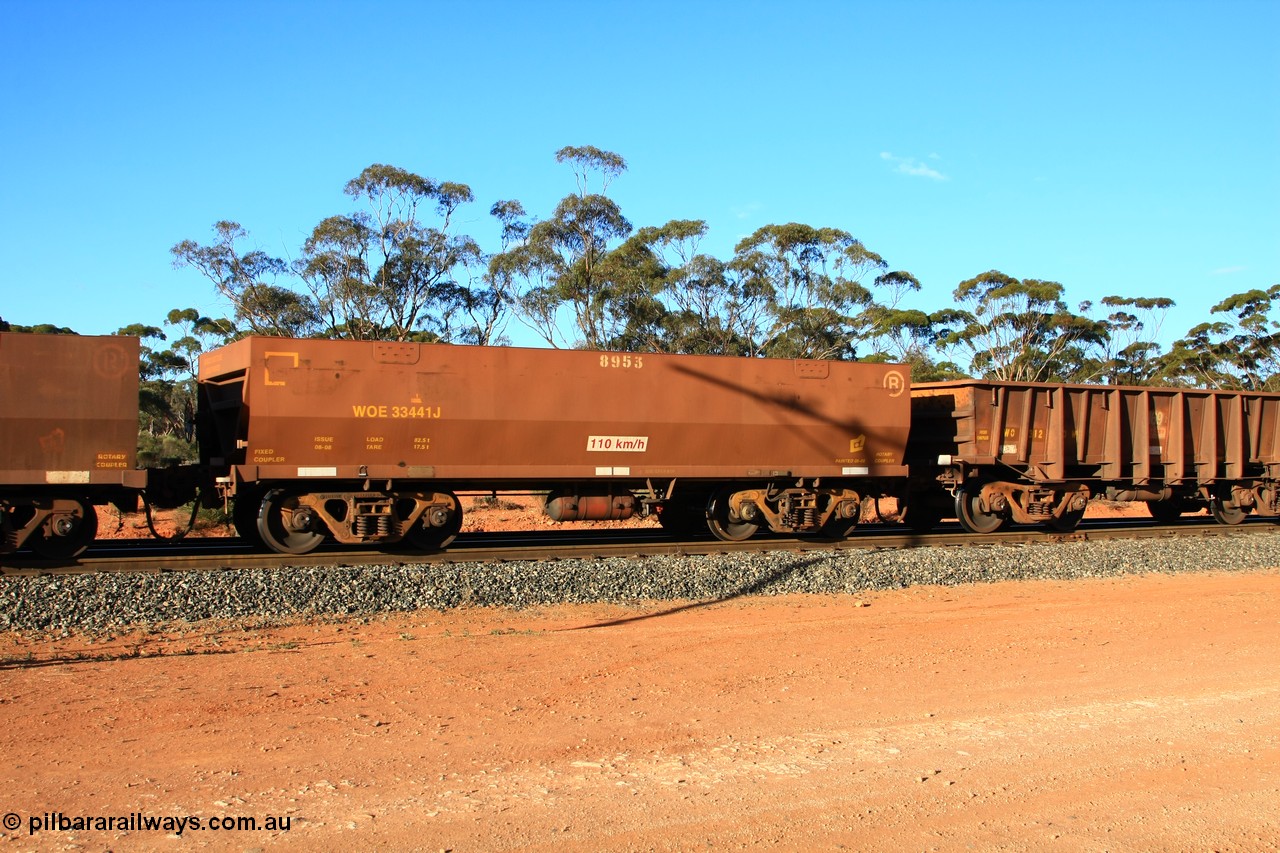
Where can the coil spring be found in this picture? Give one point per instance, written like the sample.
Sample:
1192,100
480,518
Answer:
378,525
802,517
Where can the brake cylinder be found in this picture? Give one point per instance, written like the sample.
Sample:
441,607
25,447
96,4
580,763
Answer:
589,507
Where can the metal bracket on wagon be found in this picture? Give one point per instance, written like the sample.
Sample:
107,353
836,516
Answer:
298,523
795,510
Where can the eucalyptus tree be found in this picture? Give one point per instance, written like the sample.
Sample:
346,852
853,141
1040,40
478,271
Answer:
670,297
1201,358
1018,330
487,303
561,261
166,398
810,283
389,271
37,329
1241,353
711,310
907,335
248,282
1128,353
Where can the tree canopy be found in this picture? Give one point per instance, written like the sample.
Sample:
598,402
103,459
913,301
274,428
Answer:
397,265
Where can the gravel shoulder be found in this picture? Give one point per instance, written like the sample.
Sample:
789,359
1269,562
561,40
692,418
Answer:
1073,700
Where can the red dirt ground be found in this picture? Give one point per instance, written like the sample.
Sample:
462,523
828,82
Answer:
1140,713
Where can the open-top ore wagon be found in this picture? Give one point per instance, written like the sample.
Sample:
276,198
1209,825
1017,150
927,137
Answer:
1031,452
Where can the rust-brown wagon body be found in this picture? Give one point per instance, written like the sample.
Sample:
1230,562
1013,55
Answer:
372,441
68,436
1037,452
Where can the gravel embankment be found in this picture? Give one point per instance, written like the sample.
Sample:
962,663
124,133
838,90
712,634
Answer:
103,601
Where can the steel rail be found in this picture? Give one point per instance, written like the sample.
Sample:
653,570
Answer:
230,553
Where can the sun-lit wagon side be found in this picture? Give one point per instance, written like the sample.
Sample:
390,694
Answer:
1031,452
372,442
68,438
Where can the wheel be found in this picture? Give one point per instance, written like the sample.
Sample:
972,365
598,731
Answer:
1166,512
286,526
244,516
722,526
973,517
424,536
1227,514
838,529
73,532
1066,522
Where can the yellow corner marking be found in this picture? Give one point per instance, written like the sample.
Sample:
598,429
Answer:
266,371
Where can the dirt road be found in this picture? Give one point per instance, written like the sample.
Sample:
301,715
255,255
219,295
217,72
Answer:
1133,714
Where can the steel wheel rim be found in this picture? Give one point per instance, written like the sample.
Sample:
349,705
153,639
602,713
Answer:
972,517
422,536
720,524
71,544
277,533
1228,515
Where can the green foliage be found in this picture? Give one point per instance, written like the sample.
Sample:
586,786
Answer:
247,282
1128,354
385,273
157,451
396,267
38,329
810,280
1019,330
391,270
1241,354
562,261
167,383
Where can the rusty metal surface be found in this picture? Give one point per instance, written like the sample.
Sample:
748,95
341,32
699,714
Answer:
1052,433
355,410
68,410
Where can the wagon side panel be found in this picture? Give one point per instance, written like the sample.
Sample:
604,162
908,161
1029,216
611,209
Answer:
343,409
70,410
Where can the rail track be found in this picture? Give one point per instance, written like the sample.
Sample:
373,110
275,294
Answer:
230,553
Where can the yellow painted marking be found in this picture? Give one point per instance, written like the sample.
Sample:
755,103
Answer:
266,370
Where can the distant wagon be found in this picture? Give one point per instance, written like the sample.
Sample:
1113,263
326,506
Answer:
68,438
1030,452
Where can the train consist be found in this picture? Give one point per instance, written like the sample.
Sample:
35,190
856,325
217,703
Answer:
374,442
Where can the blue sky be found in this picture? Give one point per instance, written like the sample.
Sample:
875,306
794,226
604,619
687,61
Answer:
1116,147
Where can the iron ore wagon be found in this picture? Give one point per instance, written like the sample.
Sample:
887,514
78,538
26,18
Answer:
68,438
372,442
1036,453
